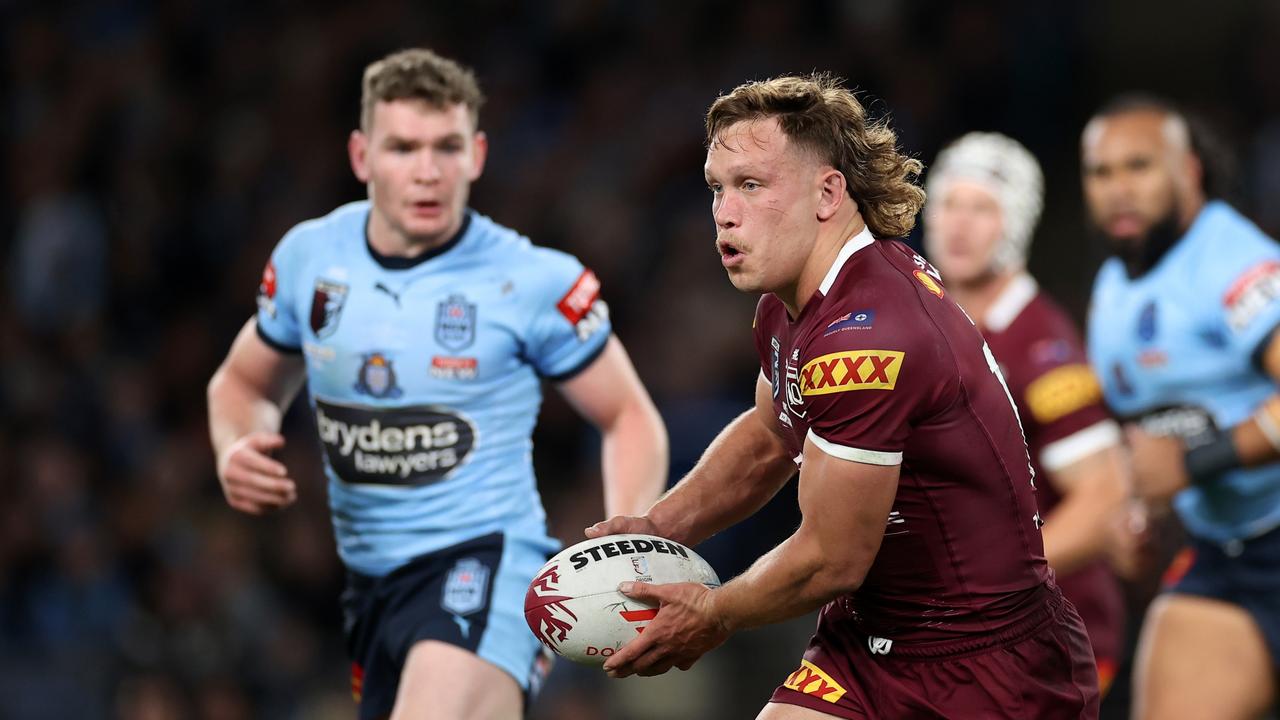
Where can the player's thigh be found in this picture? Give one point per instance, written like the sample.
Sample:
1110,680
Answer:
444,681
783,711
1201,658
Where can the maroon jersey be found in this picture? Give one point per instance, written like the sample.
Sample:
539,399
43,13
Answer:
882,367
1060,401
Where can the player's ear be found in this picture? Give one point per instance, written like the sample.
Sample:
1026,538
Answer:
833,193
358,151
479,152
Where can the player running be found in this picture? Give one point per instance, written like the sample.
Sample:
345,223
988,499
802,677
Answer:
1182,332
985,196
920,538
422,330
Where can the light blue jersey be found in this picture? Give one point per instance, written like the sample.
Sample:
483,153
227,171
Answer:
424,376
1187,336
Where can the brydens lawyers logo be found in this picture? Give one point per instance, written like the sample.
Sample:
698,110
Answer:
853,370
811,680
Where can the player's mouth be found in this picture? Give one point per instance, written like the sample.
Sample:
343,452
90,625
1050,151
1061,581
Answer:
730,254
1124,224
426,208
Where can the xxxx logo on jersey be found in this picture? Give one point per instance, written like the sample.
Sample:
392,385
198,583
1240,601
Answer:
851,370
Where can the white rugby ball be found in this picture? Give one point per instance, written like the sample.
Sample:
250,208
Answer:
573,604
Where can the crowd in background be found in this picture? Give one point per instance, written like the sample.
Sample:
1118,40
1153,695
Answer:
153,153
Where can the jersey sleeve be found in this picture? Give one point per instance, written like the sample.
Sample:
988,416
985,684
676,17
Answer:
277,317
570,323
1245,278
1061,398
861,390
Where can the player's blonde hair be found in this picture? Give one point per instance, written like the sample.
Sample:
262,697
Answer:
419,74
823,117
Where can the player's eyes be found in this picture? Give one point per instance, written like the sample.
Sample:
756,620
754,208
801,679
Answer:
715,188
750,185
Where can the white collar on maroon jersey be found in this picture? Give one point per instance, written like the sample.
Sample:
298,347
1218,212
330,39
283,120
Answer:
851,246
1010,302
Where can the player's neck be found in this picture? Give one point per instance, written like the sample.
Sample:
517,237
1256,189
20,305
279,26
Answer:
831,240
390,242
978,295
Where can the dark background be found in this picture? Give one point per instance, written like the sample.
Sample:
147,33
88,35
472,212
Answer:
153,153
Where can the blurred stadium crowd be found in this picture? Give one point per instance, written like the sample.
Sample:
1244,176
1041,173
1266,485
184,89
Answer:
153,153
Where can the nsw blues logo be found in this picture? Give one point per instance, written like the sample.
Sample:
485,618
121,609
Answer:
377,377
456,323
465,588
326,306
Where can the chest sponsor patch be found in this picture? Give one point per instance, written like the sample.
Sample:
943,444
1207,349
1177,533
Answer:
1251,294
852,370
812,680
583,306
417,445
1062,391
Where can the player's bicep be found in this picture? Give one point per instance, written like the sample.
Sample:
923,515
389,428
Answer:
1270,355
845,505
606,387
255,366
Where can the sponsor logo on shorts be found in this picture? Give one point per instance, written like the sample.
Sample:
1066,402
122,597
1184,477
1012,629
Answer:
879,645
852,370
327,302
583,307
811,680
1251,294
464,589
618,548
416,445
456,322
1062,391
454,368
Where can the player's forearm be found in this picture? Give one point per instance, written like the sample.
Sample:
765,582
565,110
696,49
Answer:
635,458
741,470
1094,489
237,408
794,578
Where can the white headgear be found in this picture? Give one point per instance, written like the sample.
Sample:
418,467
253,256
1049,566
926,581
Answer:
1012,175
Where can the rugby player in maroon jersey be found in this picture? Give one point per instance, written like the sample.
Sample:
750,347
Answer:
920,537
986,192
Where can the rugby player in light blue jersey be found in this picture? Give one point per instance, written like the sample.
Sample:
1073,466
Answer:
423,331
1182,332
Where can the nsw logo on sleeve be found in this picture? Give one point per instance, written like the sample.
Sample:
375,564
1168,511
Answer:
326,306
583,307
416,445
851,370
1251,294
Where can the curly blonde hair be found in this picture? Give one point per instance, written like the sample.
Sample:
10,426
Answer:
823,117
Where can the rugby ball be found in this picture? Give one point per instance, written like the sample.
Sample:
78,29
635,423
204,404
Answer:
573,605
